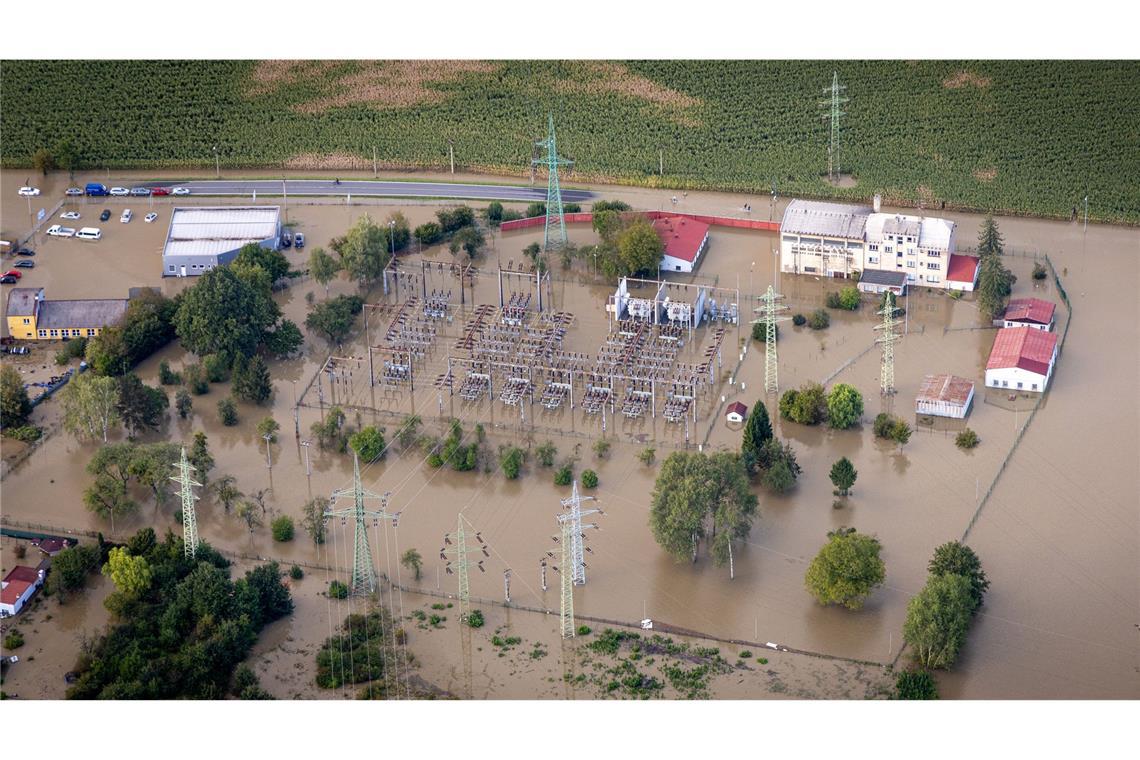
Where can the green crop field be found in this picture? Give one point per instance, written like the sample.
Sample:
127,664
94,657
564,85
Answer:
1012,137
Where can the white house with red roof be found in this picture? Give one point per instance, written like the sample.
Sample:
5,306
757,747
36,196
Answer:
1022,359
737,412
1030,312
685,241
18,587
962,272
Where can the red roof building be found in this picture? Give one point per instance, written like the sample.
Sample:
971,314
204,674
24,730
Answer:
1022,358
1030,312
685,240
18,587
737,412
962,272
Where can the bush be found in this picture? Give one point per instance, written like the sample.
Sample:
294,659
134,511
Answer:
429,233
844,406
25,433
564,475
296,573
832,300
475,619
195,378
511,460
779,478
589,479
227,412
601,448
167,376
883,425
760,332
368,444
967,439
183,403
338,590
915,684
217,370
807,406
545,454
282,528
494,212
1039,272
799,320
745,654
76,348
14,640
819,320
647,456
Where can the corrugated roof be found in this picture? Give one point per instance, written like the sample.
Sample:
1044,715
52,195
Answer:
1022,347
903,225
962,268
948,389
206,231
837,220
93,313
883,277
682,237
1030,310
22,301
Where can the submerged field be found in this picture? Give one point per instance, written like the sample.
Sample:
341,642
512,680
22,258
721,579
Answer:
1019,137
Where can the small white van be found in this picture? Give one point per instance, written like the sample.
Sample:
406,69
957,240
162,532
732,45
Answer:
89,233
126,217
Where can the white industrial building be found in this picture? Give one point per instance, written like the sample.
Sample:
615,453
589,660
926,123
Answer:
201,238
1022,359
944,396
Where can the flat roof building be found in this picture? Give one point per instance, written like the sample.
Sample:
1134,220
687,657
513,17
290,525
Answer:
944,396
201,238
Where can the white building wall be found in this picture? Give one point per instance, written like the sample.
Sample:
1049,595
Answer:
1008,379
1033,325
8,610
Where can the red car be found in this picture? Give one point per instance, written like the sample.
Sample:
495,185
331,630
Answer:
13,273
159,191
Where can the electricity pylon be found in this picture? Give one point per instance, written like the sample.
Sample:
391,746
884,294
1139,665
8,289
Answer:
554,215
578,546
567,578
771,311
887,340
459,550
363,572
833,115
189,514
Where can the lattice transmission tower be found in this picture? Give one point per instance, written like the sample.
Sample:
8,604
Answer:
364,579
887,340
771,313
567,575
832,115
578,546
459,550
554,216
189,513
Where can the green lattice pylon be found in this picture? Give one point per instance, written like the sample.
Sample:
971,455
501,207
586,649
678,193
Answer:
554,217
832,115
771,314
887,340
567,574
459,550
189,514
364,579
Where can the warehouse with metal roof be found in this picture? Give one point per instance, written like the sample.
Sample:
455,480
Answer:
201,238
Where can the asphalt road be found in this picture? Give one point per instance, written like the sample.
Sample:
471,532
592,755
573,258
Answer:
367,188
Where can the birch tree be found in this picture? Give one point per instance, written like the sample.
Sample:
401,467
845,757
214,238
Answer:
90,406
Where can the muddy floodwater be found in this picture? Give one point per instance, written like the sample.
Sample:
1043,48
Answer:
1058,537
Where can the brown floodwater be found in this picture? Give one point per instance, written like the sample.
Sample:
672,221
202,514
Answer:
1058,537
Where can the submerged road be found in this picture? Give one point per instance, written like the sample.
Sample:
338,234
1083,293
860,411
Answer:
377,188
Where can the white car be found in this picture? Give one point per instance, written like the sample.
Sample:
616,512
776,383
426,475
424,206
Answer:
126,217
74,191
180,191
59,231
120,191
69,215
150,217
29,192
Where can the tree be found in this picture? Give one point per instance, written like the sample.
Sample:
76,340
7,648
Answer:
364,250
915,684
70,568
849,298
106,353
607,224
564,475
323,267
43,160
937,620
107,498
329,432
901,433
90,406
990,242
284,340
601,448
139,405
545,454
819,320
226,491
453,219
268,427
227,412
251,380
967,439
412,560
67,156
760,332
807,406
538,208
313,518
429,233
15,407
470,239
368,443
757,431
249,512
408,431
183,403
647,456
779,478
589,479
282,528
510,461
843,475
200,457
846,570
995,283
732,503
955,558
150,466
494,212
131,575
640,248
225,314
272,261
335,317
844,406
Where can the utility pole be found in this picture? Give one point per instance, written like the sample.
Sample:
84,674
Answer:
577,536
217,164
833,114
661,162
459,550
887,340
189,515
507,586
268,457
374,168
771,311
308,468
451,153
554,215
363,573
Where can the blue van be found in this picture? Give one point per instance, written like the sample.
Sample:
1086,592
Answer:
94,188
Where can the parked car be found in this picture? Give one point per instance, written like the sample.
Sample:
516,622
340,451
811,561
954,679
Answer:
125,216
140,191
7,280
57,230
105,215
299,240
89,233
25,252
13,273
150,217
73,191
26,264
96,188
30,192
120,191
286,239
180,191
159,191
69,215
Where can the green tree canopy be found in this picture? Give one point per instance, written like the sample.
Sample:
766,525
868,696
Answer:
640,248
313,518
412,560
368,443
990,242
199,456
844,406
846,570
995,284
224,314
364,250
90,406
757,431
843,475
807,405
70,568
251,380
955,558
131,575
15,406
323,267
335,317
255,255
937,620
915,684
140,406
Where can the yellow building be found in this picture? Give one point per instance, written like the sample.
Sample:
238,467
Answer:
33,317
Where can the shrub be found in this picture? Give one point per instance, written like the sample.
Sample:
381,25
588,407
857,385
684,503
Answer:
429,233
76,348
779,478
583,630
25,433
338,590
844,406
282,528
601,448
807,406
819,319
915,684
195,379
967,439
217,370
1039,272
475,619
883,425
799,320
511,460
494,212
647,456
14,640
167,376
563,475
745,654
849,298
296,573
832,300
760,332
434,460
545,454
589,479
227,412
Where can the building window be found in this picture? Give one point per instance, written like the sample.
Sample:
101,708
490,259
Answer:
887,249
171,268
27,321
873,247
1035,386
90,332
1019,385
43,333
873,259
933,265
933,278
910,264
935,254
55,333
1004,383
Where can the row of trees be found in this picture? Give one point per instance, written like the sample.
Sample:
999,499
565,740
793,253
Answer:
841,408
93,406
938,617
771,461
995,282
630,246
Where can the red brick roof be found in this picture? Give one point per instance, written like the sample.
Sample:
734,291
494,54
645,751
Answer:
737,407
682,237
1030,310
962,268
1023,347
